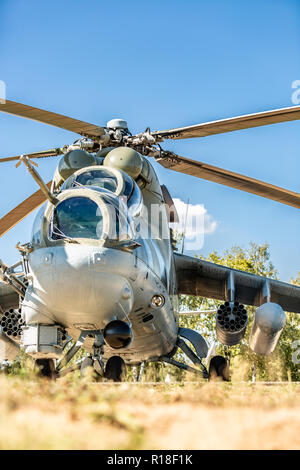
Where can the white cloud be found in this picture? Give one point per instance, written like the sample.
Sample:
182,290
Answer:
2,92
199,222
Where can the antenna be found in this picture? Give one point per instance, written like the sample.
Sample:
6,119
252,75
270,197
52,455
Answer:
184,228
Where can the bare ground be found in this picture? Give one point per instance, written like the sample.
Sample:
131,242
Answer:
73,414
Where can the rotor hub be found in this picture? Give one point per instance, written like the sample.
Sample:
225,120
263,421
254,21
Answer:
115,124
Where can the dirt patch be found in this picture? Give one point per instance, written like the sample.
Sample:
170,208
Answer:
73,414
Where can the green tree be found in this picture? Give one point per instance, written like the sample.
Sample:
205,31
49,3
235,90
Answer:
278,366
296,281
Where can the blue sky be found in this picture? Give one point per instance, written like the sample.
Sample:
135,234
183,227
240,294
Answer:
162,64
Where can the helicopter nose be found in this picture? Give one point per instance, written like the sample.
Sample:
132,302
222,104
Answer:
99,298
77,290
79,304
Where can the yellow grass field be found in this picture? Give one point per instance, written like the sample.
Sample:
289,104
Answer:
73,414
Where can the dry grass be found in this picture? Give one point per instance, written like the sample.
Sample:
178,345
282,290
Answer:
73,414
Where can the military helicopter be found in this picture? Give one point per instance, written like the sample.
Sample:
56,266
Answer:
101,268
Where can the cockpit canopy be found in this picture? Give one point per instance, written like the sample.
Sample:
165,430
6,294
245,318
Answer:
77,217
94,203
83,214
109,180
99,178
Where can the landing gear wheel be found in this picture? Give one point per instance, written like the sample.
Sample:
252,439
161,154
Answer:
86,365
46,368
219,369
115,369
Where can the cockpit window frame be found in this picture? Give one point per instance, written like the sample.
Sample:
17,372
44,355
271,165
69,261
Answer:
134,197
57,233
69,194
120,176
104,201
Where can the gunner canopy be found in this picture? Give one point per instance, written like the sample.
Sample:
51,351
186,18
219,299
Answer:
105,178
99,178
77,217
108,180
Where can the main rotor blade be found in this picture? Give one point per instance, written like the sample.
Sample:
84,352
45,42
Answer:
17,214
42,154
232,124
229,178
54,119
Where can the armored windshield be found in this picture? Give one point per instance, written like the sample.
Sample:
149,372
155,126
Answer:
108,179
99,178
76,217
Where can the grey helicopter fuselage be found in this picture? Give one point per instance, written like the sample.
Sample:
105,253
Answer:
102,268
103,252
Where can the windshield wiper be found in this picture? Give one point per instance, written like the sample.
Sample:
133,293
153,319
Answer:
63,235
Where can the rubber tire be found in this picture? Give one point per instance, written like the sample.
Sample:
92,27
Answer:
219,369
46,368
86,364
115,369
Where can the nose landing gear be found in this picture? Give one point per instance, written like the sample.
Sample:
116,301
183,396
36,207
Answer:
115,369
94,361
45,368
91,364
219,369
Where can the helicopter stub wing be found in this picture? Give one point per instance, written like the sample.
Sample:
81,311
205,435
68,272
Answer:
228,178
247,121
53,119
17,214
206,279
